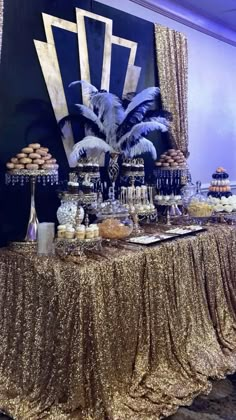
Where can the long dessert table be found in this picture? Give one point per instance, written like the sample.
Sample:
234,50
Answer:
130,334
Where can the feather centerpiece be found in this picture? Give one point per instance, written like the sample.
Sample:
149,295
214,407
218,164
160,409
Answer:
109,127
90,115
143,146
142,128
148,94
88,89
93,146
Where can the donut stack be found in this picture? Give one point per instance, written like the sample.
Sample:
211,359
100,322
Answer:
172,158
33,157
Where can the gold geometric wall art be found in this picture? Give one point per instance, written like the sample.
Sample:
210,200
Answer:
49,63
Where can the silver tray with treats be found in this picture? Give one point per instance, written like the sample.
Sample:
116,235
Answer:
159,237
151,239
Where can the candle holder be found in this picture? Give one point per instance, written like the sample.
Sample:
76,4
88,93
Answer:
33,177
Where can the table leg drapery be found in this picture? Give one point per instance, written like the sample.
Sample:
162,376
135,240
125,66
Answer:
132,336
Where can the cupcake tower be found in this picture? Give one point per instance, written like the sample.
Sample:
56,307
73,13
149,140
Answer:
133,167
88,167
132,172
220,184
31,158
85,177
81,232
74,241
74,186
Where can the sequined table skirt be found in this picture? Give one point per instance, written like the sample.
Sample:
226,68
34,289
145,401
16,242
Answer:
130,336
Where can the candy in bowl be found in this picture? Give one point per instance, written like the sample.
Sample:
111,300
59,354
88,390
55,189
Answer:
114,221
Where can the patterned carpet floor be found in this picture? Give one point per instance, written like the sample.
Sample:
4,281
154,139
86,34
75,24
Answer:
220,404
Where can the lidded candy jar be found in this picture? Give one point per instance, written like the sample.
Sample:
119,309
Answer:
198,205
187,192
114,221
69,212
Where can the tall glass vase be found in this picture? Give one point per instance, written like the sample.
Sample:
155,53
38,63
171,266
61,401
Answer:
32,227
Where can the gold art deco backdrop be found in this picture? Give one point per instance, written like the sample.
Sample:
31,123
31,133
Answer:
24,21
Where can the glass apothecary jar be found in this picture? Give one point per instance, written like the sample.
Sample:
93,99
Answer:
198,205
114,221
69,212
187,192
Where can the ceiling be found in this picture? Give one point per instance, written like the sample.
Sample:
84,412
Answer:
220,11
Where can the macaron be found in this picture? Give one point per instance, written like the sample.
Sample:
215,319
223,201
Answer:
32,166
21,155
34,146
41,152
19,166
34,156
10,165
38,161
27,150
25,160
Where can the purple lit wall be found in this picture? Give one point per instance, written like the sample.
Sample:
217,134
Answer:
212,96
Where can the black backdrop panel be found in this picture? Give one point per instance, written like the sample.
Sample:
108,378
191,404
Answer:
68,57
120,58
21,79
95,31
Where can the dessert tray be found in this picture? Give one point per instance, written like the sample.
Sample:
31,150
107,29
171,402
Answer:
151,239
159,237
186,230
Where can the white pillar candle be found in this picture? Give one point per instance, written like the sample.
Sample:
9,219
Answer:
46,233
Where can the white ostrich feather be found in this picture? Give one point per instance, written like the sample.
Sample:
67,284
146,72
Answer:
143,146
144,128
146,95
104,101
88,113
88,131
88,89
93,146
110,111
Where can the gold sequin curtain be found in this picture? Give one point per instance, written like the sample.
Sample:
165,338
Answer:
172,63
1,25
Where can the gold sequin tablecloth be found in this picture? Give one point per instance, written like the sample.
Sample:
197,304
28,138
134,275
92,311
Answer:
128,337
